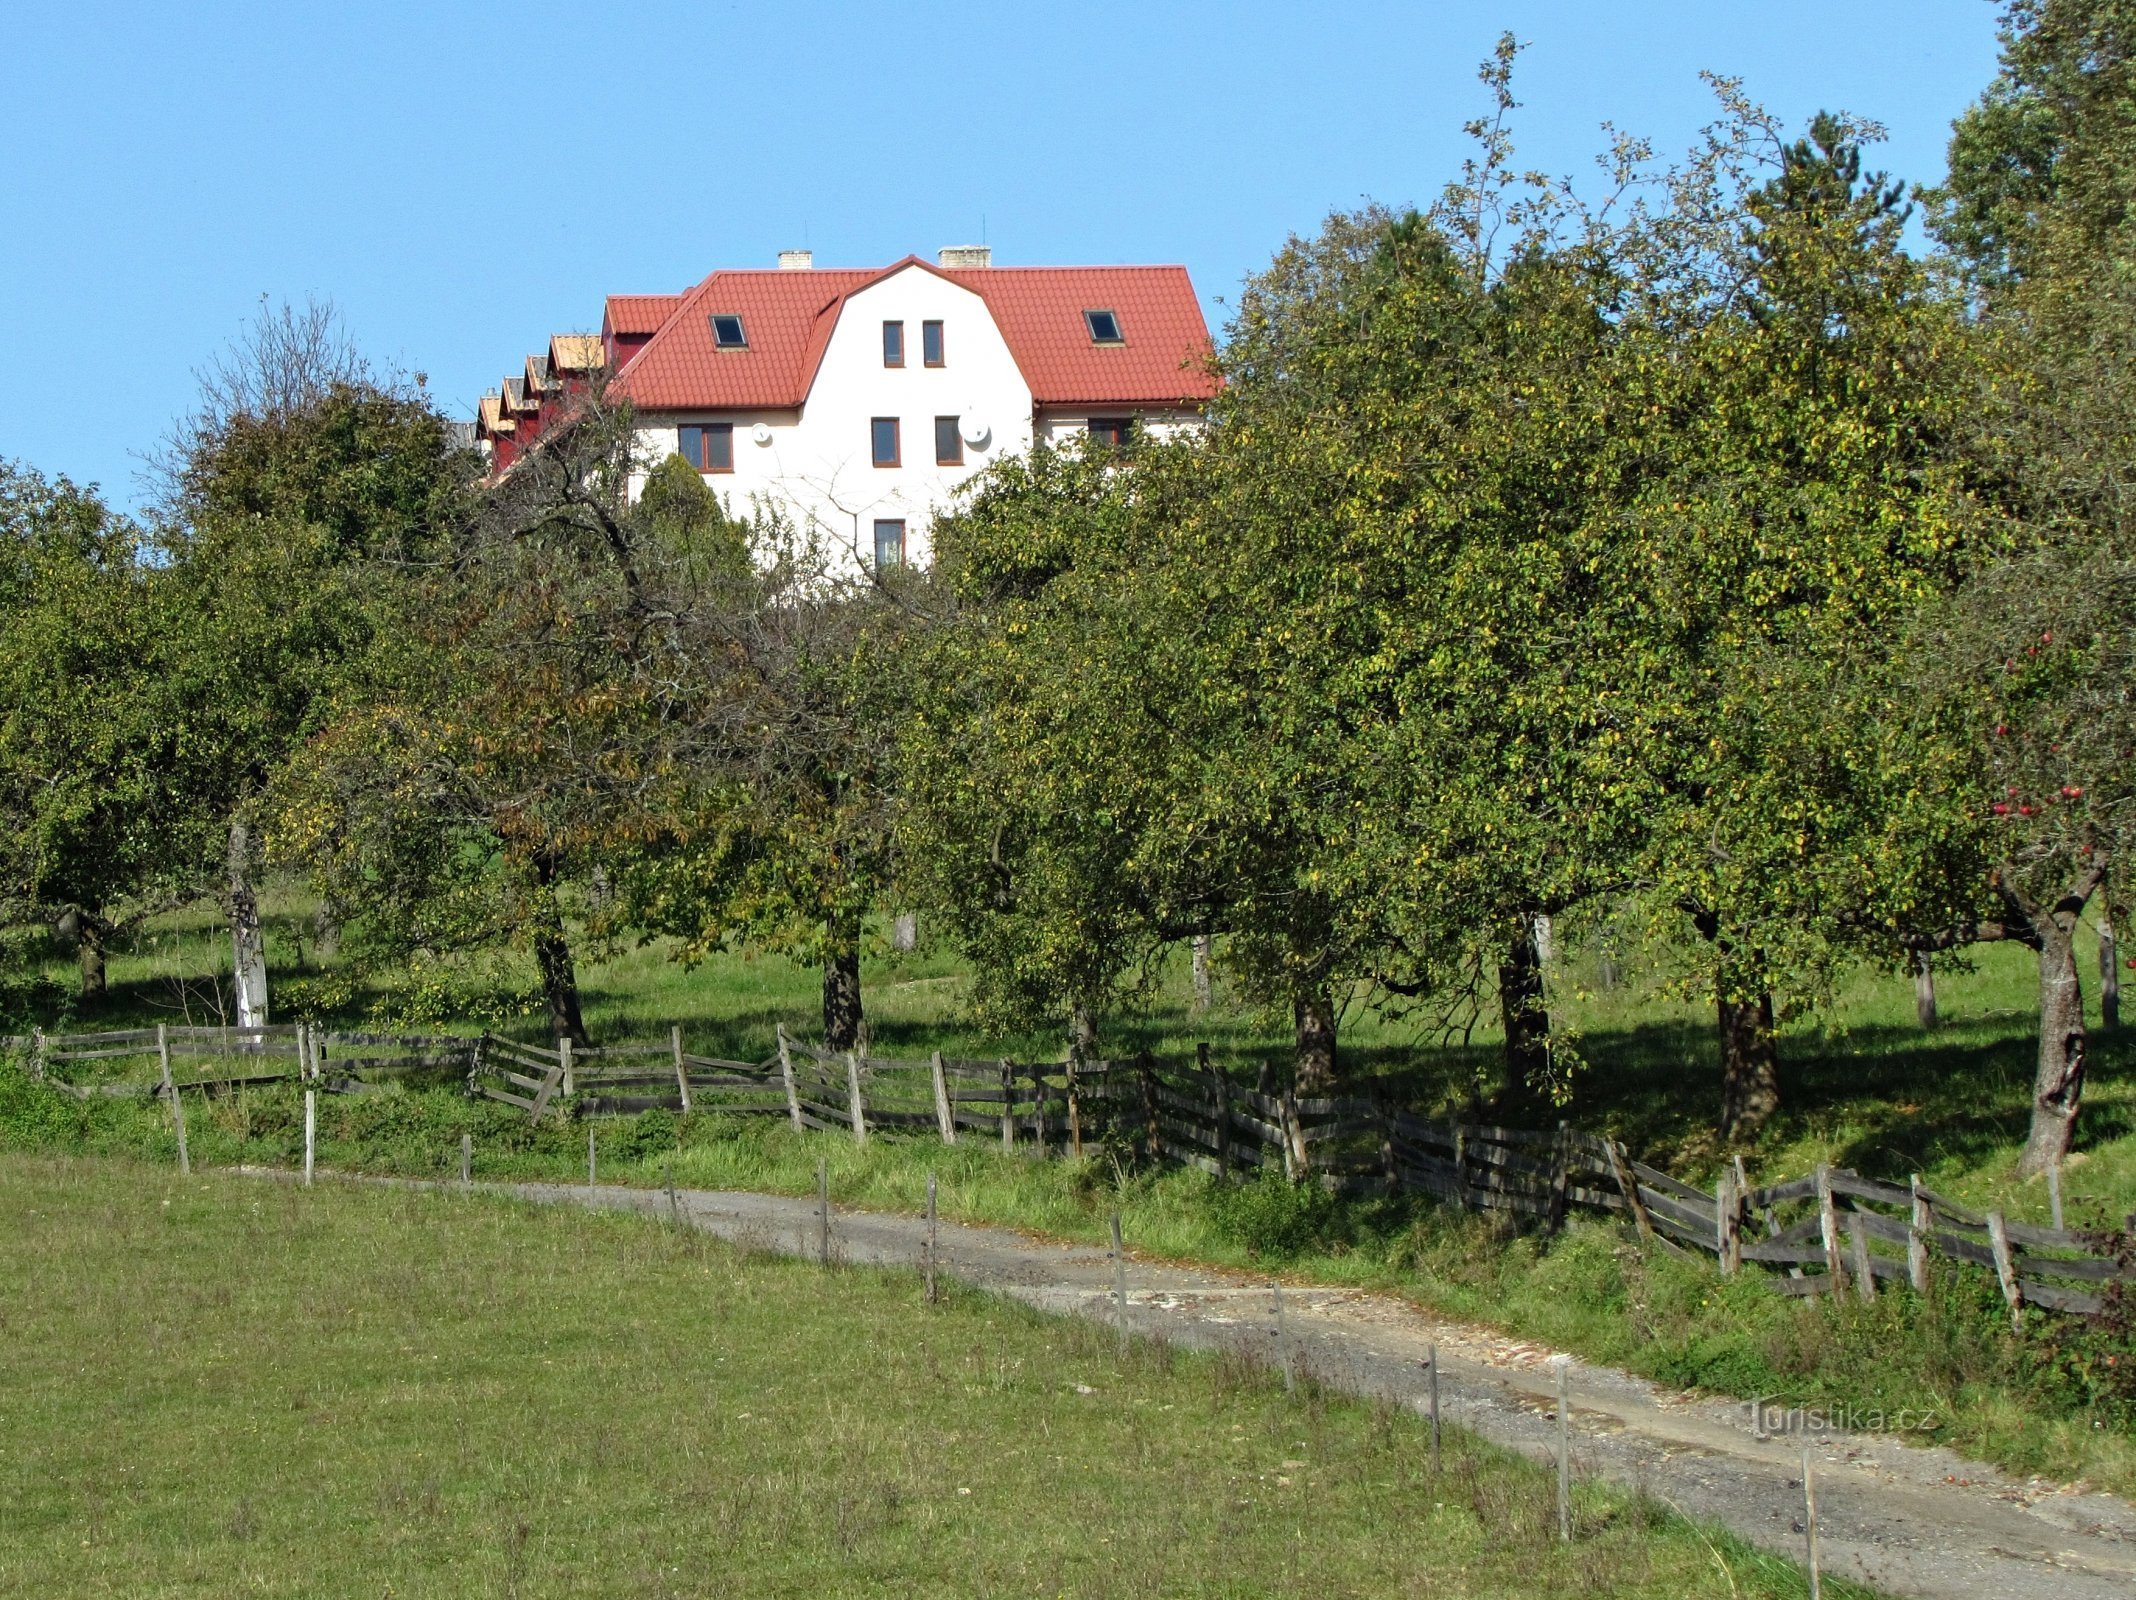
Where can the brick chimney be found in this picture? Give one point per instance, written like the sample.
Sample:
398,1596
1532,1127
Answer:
966,255
796,260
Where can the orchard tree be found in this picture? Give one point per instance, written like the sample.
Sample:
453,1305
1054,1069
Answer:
98,774
297,500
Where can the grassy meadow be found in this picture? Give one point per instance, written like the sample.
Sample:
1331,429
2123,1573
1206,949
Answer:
1865,1087
219,1385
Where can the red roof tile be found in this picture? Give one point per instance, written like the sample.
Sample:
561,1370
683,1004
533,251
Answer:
788,317
638,313
1163,359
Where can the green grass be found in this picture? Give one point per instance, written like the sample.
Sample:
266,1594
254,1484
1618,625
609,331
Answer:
1864,1087
221,1386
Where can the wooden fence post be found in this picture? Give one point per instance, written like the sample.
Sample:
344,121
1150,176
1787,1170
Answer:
1560,1174
1728,1222
945,1113
1564,1448
786,1074
1152,1127
855,1104
1119,1256
932,1294
1220,1107
563,1056
1431,1361
1390,1168
1918,1228
1461,1181
682,1072
37,1054
1809,1528
823,1212
1283,1349
1072,1087
1828,1229
2006,1268
1041,1122
1297,1162
1008,1104
163,1054
1622,1167
1858,1248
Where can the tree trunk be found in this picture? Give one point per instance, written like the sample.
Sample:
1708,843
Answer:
1314,1015
841,984
1522,1004
89,947
1082,1032
552,954
2058,1085
1924,990
2109,973
1202,986
248,948
1750,1064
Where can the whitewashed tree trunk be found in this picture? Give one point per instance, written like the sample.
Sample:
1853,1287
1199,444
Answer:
248,950
1202,987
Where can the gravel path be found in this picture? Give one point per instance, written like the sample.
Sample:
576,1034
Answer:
1907,1519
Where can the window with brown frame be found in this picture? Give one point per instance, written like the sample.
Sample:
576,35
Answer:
882,441
889,543
1111,433
931,344
708,447
893,344
949,443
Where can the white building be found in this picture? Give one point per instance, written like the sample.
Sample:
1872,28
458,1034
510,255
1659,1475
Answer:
857,401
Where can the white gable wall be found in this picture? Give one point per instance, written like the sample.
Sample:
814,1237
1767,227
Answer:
817,463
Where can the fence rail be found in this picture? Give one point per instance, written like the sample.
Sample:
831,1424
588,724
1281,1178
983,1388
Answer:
1830,1231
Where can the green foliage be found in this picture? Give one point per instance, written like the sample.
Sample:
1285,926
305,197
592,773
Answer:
99,769
1271,1219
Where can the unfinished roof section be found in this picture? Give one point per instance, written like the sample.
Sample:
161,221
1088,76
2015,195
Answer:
574,353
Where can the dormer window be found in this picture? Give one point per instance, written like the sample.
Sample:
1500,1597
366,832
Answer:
1104,327
727,331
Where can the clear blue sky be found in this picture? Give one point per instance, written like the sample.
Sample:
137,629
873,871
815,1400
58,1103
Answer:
464,180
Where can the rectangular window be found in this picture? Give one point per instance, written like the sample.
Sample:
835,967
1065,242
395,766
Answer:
889,544
949,444
882,440
931,343
727,331
709,448
1111,433
1104,327
893,344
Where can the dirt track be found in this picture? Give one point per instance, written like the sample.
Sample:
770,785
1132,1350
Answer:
1908,1520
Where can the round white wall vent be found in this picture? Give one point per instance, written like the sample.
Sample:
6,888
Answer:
971,427
761,433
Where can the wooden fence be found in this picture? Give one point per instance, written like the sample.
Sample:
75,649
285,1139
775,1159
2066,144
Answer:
1829,1232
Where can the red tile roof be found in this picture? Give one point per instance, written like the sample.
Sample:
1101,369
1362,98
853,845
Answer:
1162,361
638,313
788,317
